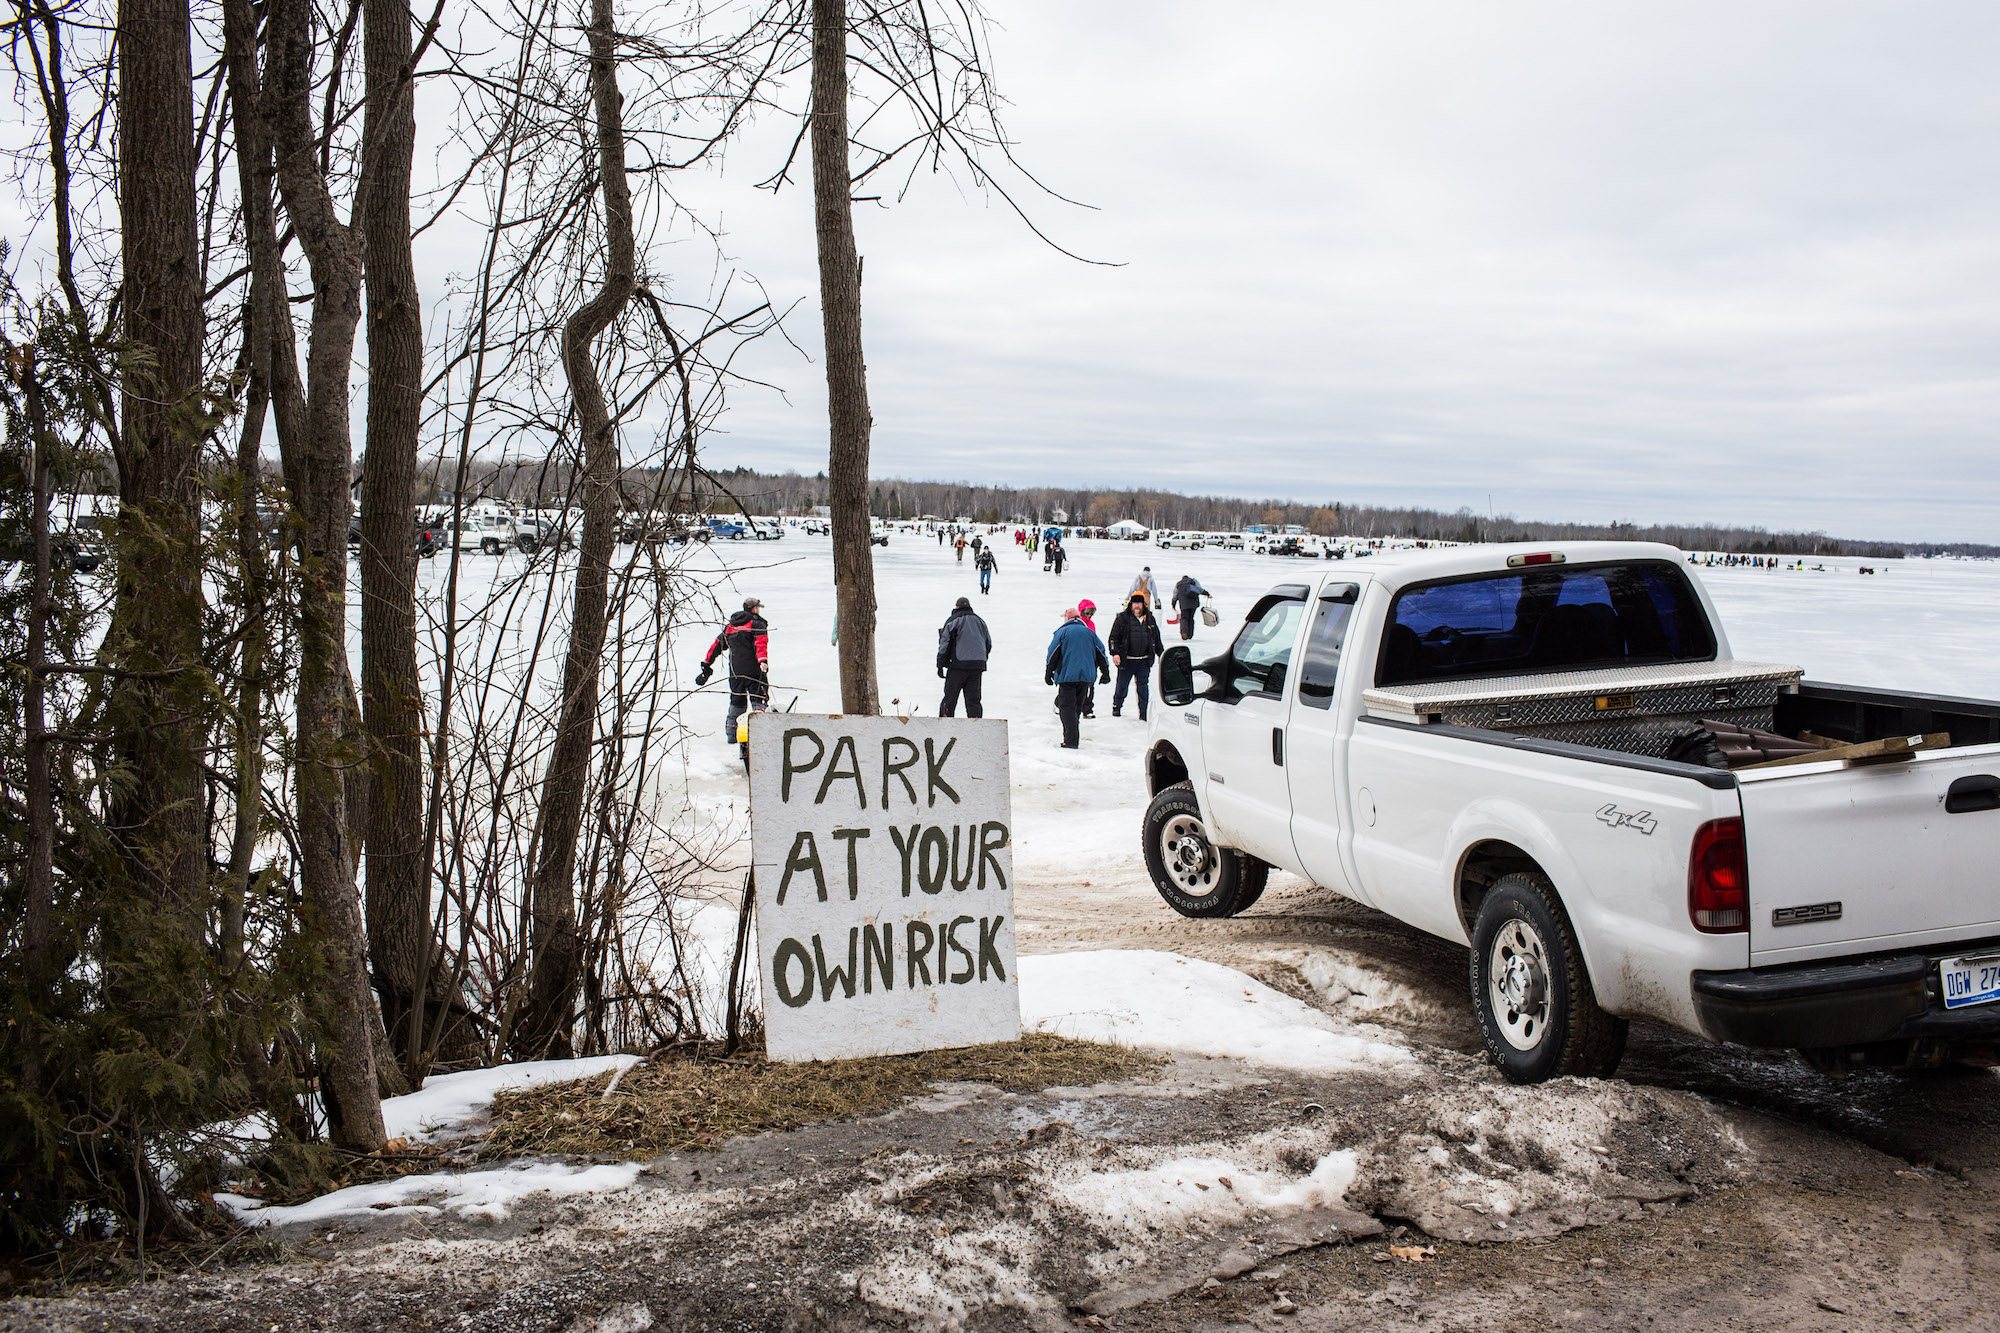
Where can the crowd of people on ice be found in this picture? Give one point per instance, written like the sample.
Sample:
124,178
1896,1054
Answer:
1077,661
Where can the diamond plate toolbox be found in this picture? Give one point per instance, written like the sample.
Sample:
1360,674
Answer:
1636,710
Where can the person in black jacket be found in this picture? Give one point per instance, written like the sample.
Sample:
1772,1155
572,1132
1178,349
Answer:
964,644
986,564
746,638
1135,642
1187,603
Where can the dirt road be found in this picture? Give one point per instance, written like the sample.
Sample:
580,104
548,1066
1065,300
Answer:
1703,1188
1899,1228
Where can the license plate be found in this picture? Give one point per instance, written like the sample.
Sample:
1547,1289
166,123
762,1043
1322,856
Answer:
1967,981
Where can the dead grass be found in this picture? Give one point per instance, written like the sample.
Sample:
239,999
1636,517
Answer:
695,1100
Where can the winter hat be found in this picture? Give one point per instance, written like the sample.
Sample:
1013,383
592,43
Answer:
1069,613
1086,606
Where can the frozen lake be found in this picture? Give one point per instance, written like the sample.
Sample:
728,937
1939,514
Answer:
1925,625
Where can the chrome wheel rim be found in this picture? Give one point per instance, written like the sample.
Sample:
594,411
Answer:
1191,863
1517,984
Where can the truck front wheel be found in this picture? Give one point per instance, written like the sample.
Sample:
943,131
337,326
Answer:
1537,1011
1196,877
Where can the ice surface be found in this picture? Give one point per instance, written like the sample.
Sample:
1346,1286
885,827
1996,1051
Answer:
480,1195
1928,625
1164,1002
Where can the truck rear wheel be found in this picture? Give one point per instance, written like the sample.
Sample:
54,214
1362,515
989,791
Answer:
1196,877
1537,1012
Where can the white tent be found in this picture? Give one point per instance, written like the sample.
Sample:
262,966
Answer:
1125,527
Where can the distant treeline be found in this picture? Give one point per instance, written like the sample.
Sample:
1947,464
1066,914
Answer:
897,498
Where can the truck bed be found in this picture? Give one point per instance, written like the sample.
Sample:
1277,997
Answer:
1633,710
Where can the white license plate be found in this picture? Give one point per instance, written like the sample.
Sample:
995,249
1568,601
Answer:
1969,980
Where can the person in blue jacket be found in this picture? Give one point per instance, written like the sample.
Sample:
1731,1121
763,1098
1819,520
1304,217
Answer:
1076,661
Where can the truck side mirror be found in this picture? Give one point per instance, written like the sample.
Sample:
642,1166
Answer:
1177,677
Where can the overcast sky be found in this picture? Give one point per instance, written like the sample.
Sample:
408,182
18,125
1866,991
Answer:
1596,260
1653,262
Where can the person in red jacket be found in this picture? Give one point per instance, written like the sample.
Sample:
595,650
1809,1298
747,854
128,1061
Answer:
747,640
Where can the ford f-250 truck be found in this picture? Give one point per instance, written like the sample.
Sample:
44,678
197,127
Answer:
1476,741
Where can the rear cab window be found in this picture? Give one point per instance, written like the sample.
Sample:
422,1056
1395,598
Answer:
1520,622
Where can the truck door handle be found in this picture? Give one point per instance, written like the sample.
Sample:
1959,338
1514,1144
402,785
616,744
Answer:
1981,791
1278,745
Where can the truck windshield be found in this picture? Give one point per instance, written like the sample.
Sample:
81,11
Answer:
1551,618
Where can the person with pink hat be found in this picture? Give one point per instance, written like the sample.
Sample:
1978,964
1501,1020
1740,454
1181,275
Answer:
1086,611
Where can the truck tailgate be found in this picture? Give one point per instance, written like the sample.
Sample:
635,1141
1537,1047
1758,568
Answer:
1855,859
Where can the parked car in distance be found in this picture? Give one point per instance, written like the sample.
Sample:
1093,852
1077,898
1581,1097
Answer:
1178,541
486,526
69,548
557,528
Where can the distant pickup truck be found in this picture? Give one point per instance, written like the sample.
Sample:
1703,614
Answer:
1476,741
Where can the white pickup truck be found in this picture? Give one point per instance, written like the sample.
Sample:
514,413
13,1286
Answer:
1474,740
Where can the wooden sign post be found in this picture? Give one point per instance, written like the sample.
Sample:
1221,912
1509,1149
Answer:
885,884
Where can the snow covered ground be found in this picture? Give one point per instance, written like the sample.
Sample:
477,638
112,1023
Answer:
1164,1002
1923,625
1139,998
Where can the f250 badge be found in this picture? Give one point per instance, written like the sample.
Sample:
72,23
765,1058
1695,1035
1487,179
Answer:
1641,820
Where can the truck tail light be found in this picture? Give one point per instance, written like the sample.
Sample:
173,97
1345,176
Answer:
1538,558
1719,879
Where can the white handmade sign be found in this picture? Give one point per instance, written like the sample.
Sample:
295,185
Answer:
884,853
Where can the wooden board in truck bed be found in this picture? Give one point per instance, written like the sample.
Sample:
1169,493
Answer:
1636,710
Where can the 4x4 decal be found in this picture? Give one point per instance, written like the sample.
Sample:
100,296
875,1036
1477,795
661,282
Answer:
1642,820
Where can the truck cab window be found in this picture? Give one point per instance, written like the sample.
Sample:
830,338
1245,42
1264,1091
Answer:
1554,618
1262,653
1321,662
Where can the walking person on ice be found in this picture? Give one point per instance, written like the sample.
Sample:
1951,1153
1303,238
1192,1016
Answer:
1135,642
1144,583
747,640
1086,611
986,564
1187,602
1076,661
964,644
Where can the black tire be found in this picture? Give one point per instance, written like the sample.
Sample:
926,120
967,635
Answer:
1181,860
1537,1012
528,543
489,545
1256,877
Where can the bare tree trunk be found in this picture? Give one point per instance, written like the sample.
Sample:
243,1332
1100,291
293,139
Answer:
546,1018
846,371
36,955
325,459
399,917
253,176
157,620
